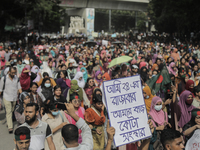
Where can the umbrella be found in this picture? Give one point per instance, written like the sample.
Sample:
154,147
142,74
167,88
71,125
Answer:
118,42
119,60
90,43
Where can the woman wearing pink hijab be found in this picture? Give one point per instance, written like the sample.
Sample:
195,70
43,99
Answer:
158,116
186,107
143,64
172,69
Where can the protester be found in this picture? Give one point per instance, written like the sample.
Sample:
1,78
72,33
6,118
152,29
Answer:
10,86
95,117
39,130
171,139
24,99
56,120
22,138
70,132
80,111
53,70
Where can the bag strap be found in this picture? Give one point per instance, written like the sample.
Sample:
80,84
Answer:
61,116
4,82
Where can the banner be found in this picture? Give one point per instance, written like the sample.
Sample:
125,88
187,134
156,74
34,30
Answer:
90,14
95,34
126,110
194,142
30,24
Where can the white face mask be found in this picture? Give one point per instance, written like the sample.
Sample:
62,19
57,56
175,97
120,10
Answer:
158,107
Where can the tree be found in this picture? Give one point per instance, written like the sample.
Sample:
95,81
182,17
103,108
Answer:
171,16
47,12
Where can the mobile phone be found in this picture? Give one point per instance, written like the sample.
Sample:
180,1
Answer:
61,106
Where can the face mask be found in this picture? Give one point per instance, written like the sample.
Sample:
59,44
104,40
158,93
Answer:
153,75
60,52
41,67
158,107
16,52
36,70
22,62
84,64
3,60
15,60
47,85
147,97
55,113
189,101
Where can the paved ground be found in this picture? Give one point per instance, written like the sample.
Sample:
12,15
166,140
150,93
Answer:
6,139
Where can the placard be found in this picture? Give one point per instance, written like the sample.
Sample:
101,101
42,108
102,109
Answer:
194,142
105,43
126,109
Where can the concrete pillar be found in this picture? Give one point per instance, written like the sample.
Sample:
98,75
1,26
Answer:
110,20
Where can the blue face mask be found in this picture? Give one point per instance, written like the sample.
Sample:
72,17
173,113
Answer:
147,97
47,85
55,113
36,70
15,60
84,64
41,67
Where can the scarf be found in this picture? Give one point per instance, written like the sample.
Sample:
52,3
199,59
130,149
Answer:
25,80
85,74
157,116
148,101
171,71
75,88
82,82
185,109
20,68
96,74
33,69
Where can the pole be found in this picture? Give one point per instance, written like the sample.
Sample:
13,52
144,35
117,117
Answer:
26,36
136,19
109,20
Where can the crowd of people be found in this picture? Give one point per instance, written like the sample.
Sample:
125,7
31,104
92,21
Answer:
54,91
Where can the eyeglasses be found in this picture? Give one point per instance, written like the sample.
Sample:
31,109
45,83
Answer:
76,101
91,81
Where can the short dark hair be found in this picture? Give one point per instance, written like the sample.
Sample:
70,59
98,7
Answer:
56,87
33,104
45,74
168,136
34,83
196,90
70,133
14,68
22,130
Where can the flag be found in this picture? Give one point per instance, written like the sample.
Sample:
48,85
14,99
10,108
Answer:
159,81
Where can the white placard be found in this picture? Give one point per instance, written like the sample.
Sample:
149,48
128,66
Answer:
104,43
194,142
126,109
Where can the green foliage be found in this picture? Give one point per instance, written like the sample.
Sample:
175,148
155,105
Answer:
180,16
46,11
120,20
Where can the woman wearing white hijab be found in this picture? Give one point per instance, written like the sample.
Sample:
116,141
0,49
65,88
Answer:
79,78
